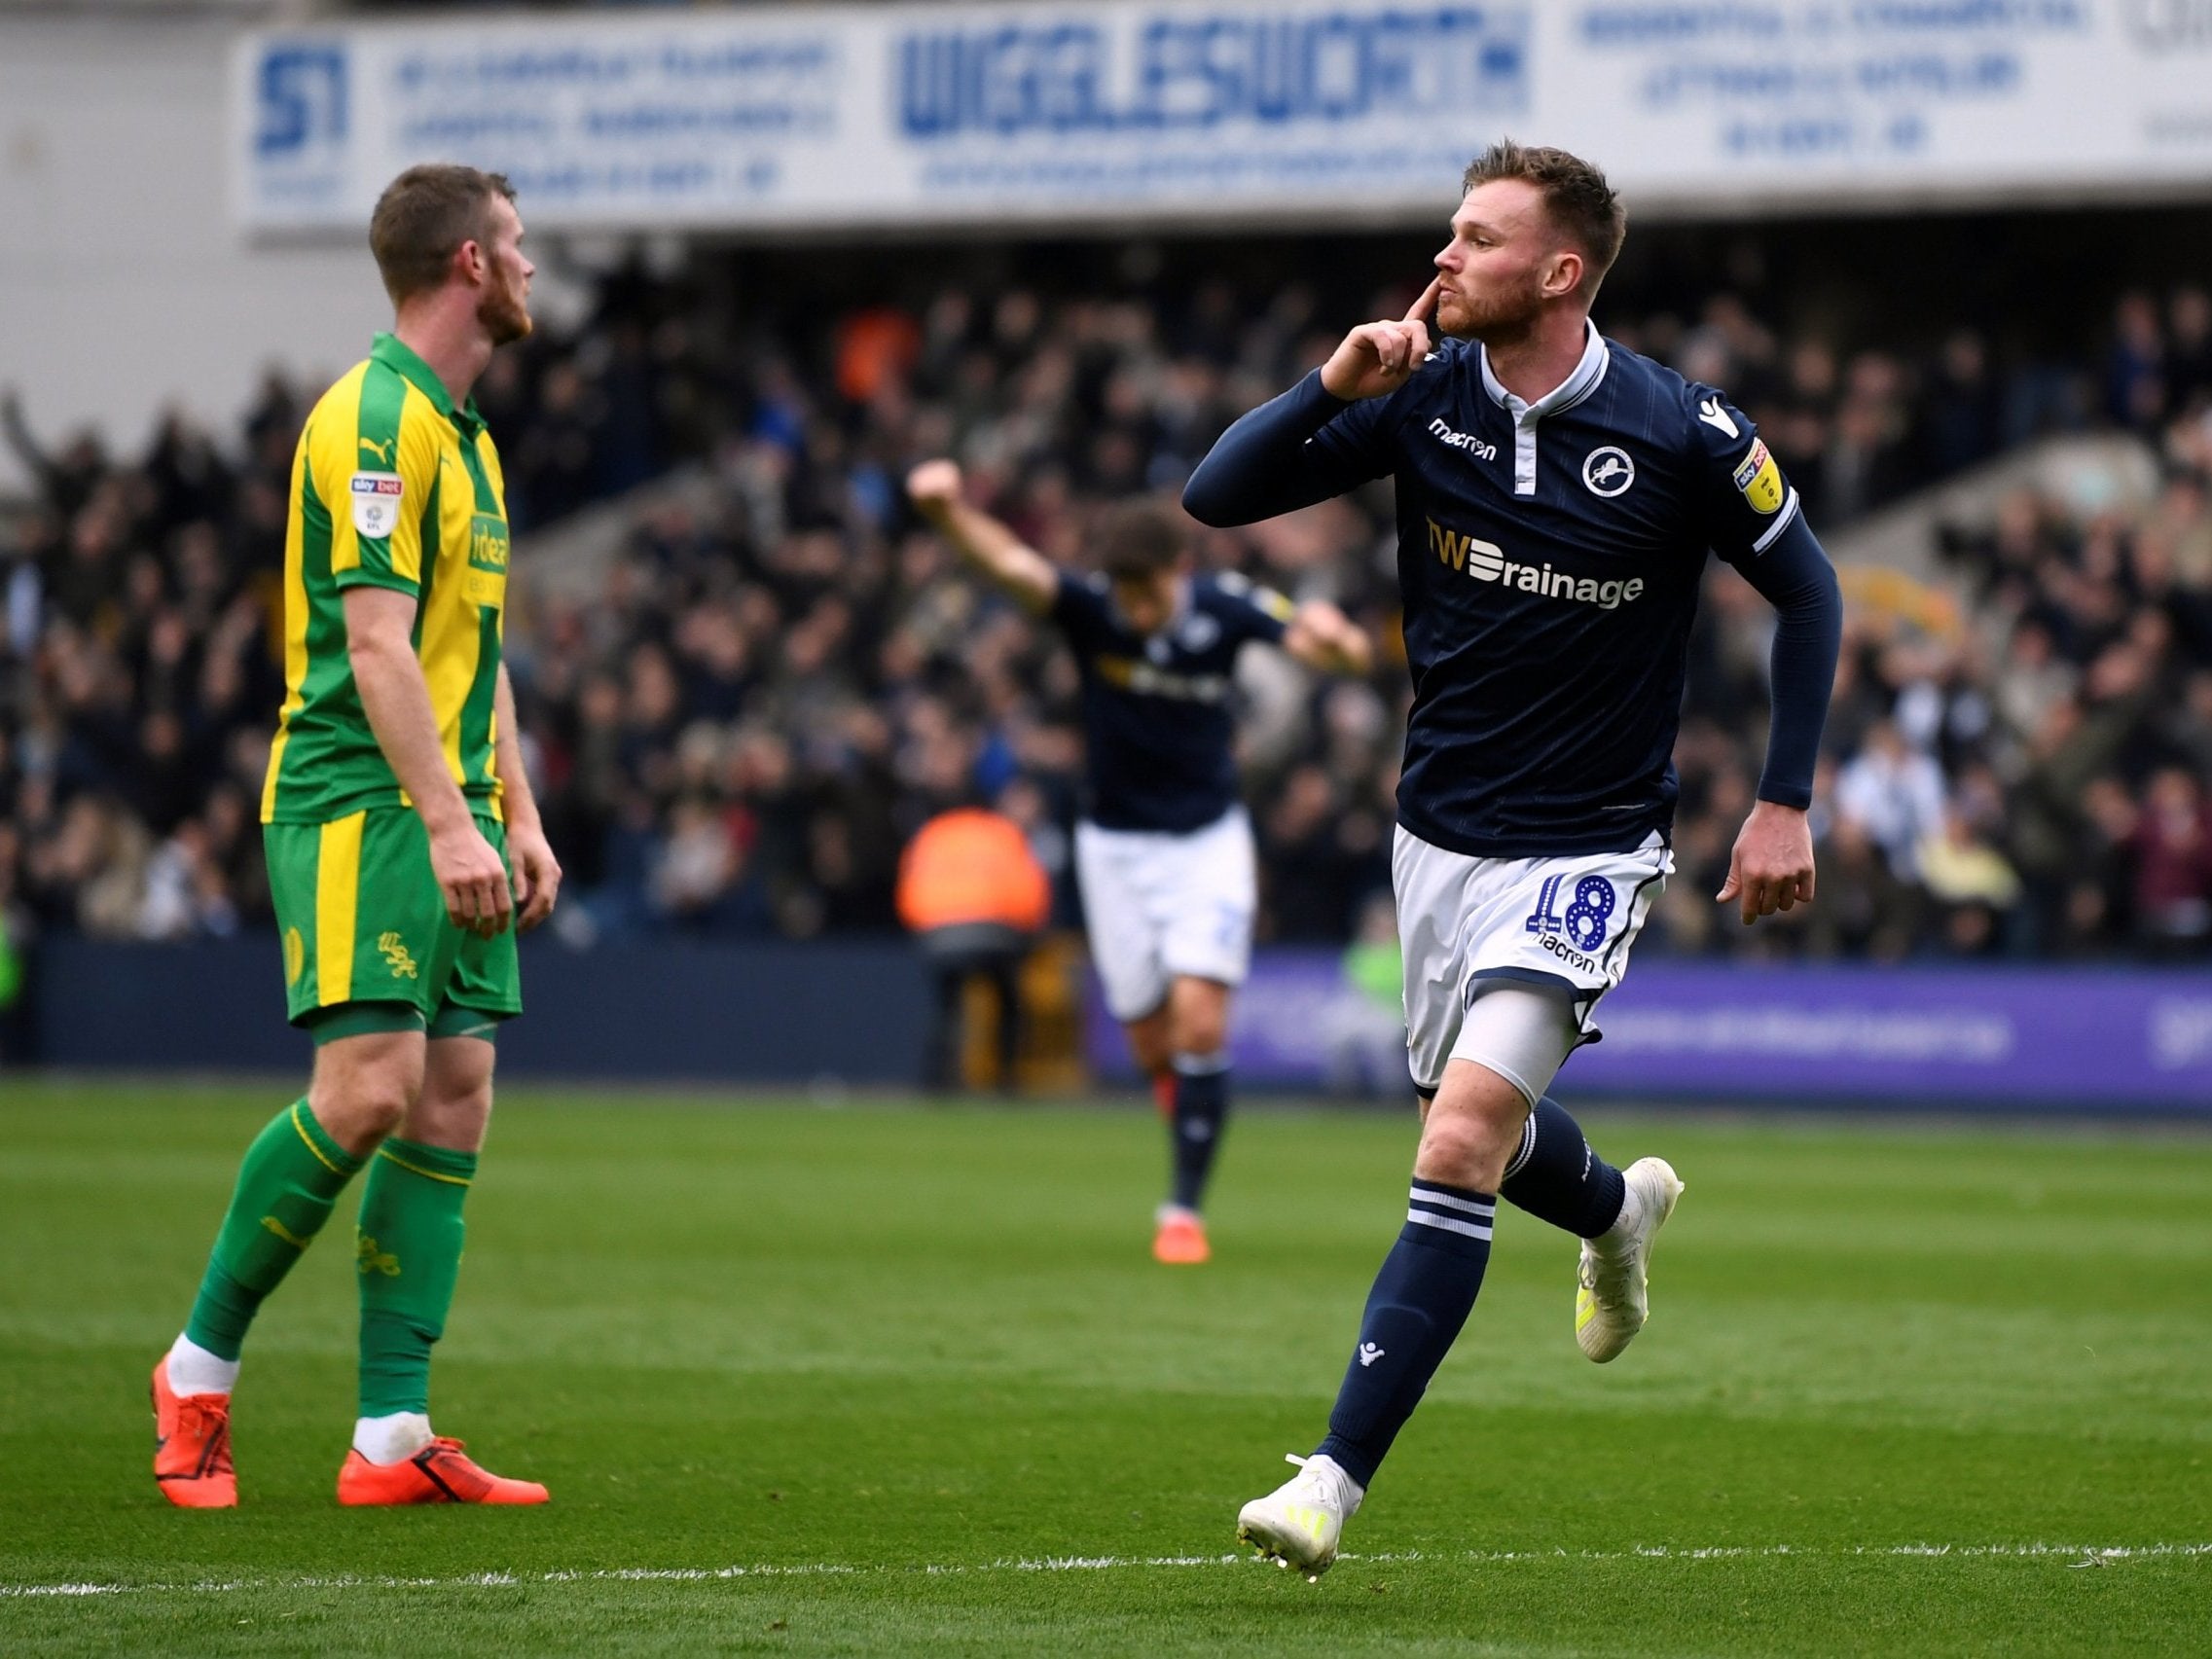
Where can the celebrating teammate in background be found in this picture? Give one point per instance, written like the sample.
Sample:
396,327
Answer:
1556,498
1164,852
395,802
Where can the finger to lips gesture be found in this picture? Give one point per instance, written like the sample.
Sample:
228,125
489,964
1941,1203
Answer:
1375,359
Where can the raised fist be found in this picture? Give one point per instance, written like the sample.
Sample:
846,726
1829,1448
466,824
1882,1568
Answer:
934,484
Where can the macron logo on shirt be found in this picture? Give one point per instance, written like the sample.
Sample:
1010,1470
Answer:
1466,440
1486,561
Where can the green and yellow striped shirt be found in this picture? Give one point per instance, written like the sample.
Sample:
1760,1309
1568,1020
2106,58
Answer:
392,488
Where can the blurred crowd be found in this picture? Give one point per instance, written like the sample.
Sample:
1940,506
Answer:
782,676
2018,770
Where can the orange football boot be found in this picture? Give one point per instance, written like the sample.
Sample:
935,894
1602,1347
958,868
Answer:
1181,1240
437,1474
191,1446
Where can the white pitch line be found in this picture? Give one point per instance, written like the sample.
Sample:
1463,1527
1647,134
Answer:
2075,1555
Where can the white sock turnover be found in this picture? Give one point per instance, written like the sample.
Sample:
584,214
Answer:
391,1440
192,1370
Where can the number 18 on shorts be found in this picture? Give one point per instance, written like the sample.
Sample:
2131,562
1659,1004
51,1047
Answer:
1566,923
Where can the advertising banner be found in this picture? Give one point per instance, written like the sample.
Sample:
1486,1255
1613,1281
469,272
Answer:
1982,1037
853,116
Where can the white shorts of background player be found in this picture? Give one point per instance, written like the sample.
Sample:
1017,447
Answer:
1560,927
1160,905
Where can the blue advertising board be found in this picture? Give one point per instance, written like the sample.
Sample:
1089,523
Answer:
1967,1036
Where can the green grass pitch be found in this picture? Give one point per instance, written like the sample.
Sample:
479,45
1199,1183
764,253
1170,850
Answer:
880,1378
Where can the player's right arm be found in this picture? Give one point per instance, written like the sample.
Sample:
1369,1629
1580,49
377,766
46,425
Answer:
1320,438
992,549
1375,359
380,642
378,471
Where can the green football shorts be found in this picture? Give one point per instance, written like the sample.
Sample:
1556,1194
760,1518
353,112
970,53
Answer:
368,945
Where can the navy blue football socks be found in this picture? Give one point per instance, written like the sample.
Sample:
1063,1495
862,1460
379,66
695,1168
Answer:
1202,1107
1557,1179
1422,1297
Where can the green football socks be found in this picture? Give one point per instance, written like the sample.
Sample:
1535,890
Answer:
410,1248
292,1175
409,1260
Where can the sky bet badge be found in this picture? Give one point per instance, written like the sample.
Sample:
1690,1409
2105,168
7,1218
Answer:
376,502
1760,478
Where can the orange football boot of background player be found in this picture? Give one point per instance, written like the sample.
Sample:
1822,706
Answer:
1179,1240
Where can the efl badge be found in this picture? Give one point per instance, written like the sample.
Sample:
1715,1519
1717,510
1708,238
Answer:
376,503
1760,478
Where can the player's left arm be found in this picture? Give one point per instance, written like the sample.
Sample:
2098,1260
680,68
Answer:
1324,638
537,873
1759,528
1316,634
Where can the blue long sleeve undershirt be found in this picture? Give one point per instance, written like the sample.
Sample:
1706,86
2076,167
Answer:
1262,467
1794,576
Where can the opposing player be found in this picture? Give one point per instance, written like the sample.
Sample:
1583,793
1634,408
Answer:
1164,852
404,853
1556,497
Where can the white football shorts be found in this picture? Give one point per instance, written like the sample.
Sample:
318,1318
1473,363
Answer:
1466,924
1160,905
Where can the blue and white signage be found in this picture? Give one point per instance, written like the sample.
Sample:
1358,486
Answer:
1963,1035
851,115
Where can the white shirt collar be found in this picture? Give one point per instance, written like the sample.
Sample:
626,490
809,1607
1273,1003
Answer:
1581,381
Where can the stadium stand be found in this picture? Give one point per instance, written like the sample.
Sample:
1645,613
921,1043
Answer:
737,729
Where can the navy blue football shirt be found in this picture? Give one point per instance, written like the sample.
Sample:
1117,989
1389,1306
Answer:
1549,555
1157,712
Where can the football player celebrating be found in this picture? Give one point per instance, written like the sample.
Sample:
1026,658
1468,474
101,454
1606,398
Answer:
1557,495
1164,851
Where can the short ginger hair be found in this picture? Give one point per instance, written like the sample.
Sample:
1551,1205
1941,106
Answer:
1574,194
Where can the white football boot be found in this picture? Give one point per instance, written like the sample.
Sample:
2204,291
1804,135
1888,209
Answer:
1612,1303
1298,1525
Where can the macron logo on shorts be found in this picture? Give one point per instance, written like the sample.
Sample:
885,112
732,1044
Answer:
1486,561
